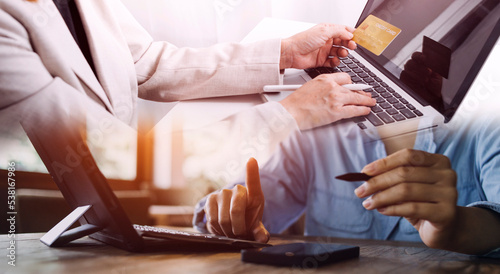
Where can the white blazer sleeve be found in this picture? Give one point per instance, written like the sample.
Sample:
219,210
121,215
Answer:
167,73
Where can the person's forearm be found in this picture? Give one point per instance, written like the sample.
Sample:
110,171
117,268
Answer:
476,232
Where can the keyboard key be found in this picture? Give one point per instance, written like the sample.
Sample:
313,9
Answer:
392,111
407,113
363,75
391,90
399,106
379,99
313,73
410,106
375,84
371,74
374,119
369,80
397,95
384,84
392,100
356,79
380,89
347,61
398,117
357,70
341,65
323,70
378,79
361,65
355,60
367,70
362,126
385,117
358,119
418,112
403,101
352,74
377,109
352,66
345,69
386,94
385,105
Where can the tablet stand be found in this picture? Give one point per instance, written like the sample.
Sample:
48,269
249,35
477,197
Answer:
59,235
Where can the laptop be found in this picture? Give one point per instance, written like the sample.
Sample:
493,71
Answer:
455,36
58,140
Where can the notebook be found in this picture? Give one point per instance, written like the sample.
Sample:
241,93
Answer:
57,139
449,41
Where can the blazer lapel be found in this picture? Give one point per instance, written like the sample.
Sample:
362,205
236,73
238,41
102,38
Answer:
112,58
73,54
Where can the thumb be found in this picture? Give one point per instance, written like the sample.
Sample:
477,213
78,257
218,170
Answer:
260,233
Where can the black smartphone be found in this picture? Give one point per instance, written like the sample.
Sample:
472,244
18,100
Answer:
303,255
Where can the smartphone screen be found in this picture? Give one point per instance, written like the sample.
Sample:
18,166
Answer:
303,255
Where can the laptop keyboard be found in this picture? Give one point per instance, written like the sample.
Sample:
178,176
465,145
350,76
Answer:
390,107
166,233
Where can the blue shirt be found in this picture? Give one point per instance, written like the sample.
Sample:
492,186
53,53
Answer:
300,178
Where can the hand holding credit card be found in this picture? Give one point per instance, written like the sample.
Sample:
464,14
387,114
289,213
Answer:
374,34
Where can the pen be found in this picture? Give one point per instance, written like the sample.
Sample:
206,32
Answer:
278,88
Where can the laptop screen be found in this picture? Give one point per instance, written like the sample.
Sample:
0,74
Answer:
441,47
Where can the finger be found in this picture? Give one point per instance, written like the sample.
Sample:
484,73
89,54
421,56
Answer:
338,31
418,57
364,93
253,180
341,78
255,196
212,215
333,61
224,201
353,111
406,157
349,44
356,99
260,233
419,70
432,212
411,192
238,209
405,174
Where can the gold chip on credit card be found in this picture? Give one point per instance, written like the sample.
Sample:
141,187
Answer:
374,34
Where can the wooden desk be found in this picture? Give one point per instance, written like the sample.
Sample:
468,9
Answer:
89,256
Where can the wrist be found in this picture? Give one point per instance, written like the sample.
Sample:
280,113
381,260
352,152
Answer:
291,108
285,56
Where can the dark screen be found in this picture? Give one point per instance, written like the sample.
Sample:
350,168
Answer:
440,49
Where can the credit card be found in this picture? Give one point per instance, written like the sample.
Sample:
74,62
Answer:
375,35
354,177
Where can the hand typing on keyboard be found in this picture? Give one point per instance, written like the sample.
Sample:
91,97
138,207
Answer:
237,213
323,100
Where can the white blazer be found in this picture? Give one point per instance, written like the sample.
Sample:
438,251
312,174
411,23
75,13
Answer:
39,58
